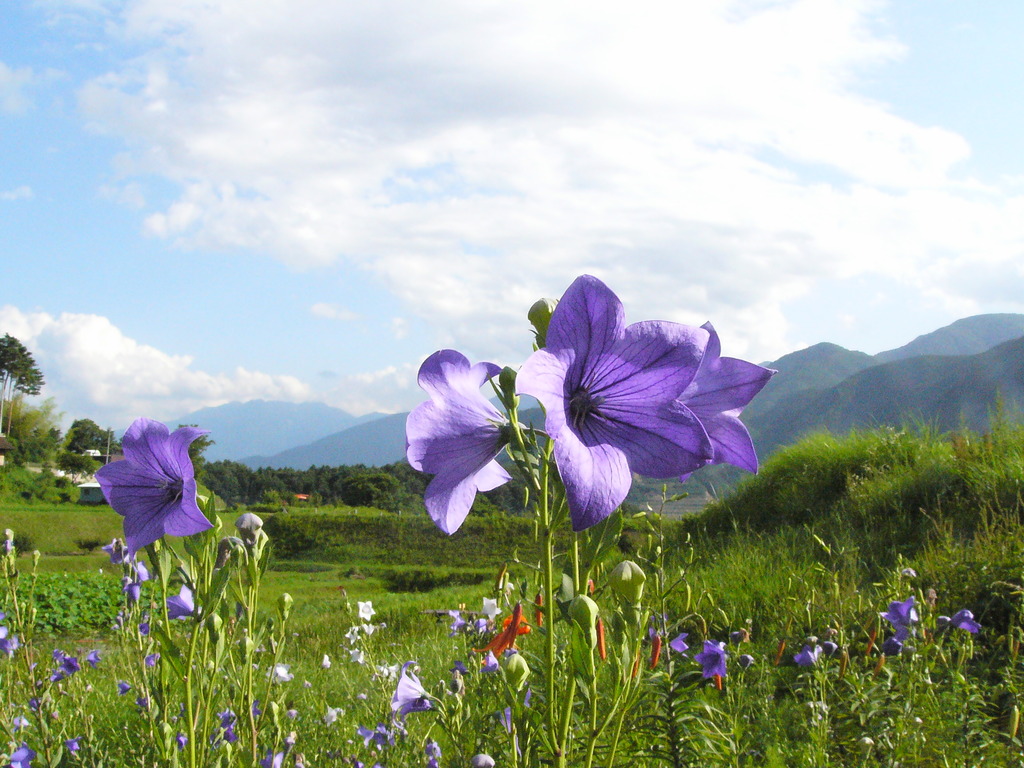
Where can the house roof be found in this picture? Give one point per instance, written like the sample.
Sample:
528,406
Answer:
5,444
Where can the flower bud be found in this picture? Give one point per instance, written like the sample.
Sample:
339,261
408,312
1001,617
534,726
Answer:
627,579
284,605
248,526
540,317
583,612
482,761
517,671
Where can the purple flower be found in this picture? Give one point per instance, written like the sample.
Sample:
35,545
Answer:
152,659
22,757
181,605
410,695
892,646
712,659
459,667
18,723
122,687
71,745
116,550
142,703
718,393
93,657
133,590
181,740
272,760
830,648
964,619
455,436
144,628
10,644
490,663
808,656
458,623
902,616
746,661
141,571
678,644
154,487
611,394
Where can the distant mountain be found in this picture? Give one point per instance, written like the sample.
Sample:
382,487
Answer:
944,378
818,367
944,392
969,336
267,427
378,442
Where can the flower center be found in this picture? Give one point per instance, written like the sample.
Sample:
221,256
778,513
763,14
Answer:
581,405
174,489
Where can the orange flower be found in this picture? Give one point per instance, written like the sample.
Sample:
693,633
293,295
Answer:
602,650
538,613
514,625
655,651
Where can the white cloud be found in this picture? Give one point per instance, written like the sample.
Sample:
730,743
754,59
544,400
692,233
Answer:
709,160
18,193
333,312
13,84
385,391
94,371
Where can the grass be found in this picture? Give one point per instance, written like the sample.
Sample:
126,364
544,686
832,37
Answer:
817,545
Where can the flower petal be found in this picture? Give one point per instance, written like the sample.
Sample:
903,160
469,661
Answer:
596,478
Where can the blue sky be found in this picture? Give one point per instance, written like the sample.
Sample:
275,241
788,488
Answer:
205,202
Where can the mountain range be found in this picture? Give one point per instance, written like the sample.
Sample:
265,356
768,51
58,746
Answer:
949,378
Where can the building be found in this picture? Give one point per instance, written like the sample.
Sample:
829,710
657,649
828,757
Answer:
5,448
91,493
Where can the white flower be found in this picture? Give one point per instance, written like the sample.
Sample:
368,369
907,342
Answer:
388,673
332,715
326,663
369,629
280,673
357,656
352,634
491,608
366,611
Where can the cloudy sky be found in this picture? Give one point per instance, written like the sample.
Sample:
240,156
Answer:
212,201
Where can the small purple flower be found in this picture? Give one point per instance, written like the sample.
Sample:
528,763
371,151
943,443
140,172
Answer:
71,745
611,395
122,687
808,656
142,703
141,571
272,760
455,436
8,644
460,668
902,616
964,619
154,487
182,605
829,648
746,661
410,696
22,757
144,628
18,723
458,623
152,659
712,659
256,711
181,740
490,663
678,644
116,550
93,657
892,646
132,590
33,704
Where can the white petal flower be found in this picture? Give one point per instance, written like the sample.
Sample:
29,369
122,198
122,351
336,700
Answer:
366,611
491,608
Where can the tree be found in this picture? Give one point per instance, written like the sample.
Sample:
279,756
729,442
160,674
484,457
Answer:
35,433
18,374
76,464
370,489
85,435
